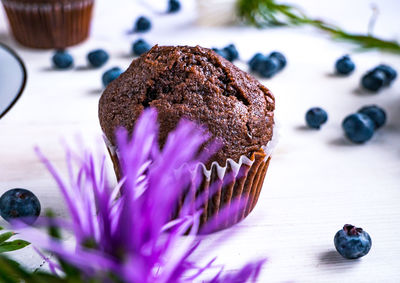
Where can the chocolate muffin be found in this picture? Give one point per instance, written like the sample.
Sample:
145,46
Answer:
47,24
197,84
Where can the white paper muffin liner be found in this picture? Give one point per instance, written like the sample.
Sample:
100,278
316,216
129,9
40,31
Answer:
246,178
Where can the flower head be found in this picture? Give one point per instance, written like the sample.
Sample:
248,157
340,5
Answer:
127,231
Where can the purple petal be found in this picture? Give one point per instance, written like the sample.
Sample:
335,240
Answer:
249,272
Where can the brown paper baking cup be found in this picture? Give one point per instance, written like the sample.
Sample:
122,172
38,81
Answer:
49,24
223,186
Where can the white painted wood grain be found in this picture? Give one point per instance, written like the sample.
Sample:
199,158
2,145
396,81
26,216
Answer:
317,180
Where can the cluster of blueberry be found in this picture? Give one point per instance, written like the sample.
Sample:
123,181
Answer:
143,24
358,127
374,80
19,203
267,66
379,77
96,59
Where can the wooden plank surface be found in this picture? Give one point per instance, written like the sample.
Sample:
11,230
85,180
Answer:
317,180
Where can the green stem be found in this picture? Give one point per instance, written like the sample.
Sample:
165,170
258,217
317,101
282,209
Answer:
264,13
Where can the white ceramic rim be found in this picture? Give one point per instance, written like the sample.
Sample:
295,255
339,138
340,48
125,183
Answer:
23,82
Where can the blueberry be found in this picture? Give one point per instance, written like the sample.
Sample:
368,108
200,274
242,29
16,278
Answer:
111,75
97,58
268,67
376,114
232,53
281,59
19,203
142,24
344,65
221,52
315,117
358,127
174,6
352,242
255,61
62,60
140,46
373,80
390,73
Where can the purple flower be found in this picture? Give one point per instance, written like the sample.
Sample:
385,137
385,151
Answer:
127,230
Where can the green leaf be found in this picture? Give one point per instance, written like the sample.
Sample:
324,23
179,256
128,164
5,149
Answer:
1,228
13,245
12,272
5,236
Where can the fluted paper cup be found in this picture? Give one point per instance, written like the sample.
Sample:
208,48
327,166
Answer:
223,186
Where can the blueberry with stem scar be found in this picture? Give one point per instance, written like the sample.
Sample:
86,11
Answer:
20,204
352,242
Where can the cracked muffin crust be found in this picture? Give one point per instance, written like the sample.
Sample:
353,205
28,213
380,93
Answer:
197,84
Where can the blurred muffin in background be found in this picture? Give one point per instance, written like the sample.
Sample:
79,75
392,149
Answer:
49,24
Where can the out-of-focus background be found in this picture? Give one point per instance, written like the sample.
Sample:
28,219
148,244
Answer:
317,180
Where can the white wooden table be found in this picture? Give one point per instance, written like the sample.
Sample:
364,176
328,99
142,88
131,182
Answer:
317,180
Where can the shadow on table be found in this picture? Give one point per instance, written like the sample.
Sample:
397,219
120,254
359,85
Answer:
84,68
393,113
341,141
95,91
304,128
48,69
6,38
332,257
335,75
125,55
362,91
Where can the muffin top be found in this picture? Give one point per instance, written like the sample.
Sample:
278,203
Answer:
197,84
